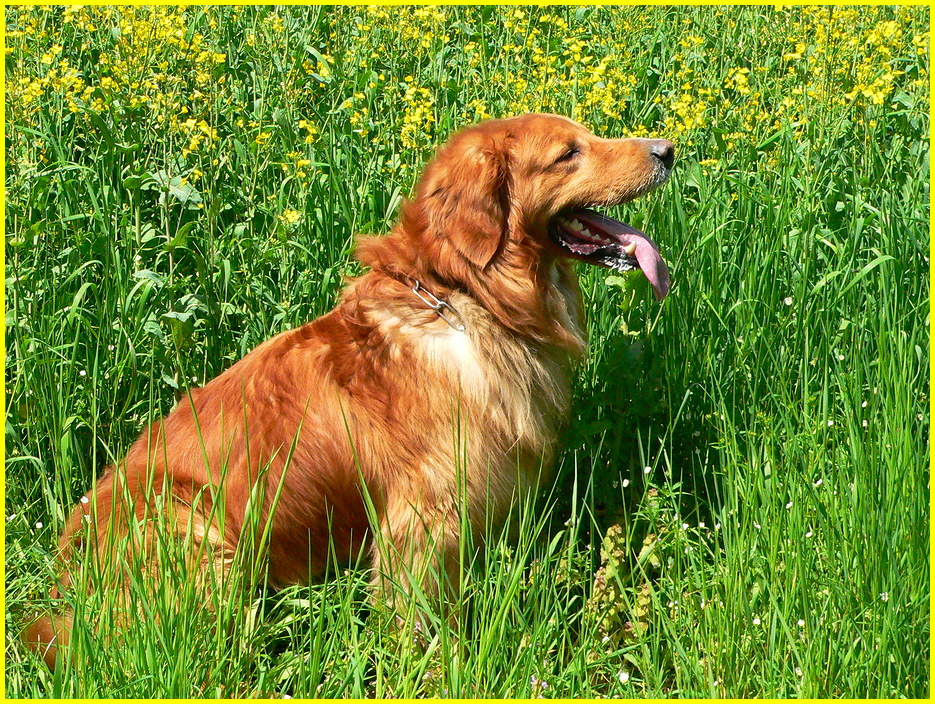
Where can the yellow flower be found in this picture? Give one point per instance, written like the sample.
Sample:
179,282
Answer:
290,217
738,80
418,117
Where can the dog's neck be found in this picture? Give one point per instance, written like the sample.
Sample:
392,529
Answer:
528,291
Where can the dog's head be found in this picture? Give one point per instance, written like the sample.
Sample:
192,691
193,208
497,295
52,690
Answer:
534,178
504,199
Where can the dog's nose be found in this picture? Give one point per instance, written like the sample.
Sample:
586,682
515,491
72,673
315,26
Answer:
663,150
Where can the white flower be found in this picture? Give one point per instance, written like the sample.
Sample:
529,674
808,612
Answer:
884,596
787,300
756,620
789,505
84,499
626,483
800,623
647,470
623,676
39,525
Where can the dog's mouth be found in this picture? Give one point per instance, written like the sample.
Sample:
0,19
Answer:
597,239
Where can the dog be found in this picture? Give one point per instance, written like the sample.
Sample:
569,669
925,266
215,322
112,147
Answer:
469,317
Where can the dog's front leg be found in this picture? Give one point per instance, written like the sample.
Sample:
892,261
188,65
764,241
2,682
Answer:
416,561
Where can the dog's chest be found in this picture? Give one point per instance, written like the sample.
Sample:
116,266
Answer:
510,389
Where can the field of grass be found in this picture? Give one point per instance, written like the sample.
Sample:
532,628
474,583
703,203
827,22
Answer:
742,507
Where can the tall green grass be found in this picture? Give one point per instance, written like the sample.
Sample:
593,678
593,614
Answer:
742,506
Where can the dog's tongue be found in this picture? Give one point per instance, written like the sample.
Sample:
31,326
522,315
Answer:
646,252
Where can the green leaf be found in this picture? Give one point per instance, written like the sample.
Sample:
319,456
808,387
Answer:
175,187
181,236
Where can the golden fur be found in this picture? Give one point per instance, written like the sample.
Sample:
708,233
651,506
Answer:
373,389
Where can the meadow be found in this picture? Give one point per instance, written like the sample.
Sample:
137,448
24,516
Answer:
742,506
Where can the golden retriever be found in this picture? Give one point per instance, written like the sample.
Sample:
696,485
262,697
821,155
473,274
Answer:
468,318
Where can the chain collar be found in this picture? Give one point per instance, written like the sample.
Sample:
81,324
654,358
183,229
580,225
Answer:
443,308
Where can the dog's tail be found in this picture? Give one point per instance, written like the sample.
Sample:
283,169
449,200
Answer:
99,530
48,633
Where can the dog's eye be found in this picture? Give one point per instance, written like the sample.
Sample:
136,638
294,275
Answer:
568,154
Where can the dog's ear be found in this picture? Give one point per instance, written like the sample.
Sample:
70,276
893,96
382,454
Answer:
465,200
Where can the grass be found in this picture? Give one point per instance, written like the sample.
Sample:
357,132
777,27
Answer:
742,506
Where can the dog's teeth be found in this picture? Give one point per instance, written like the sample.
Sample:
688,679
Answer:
578,228
630,248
